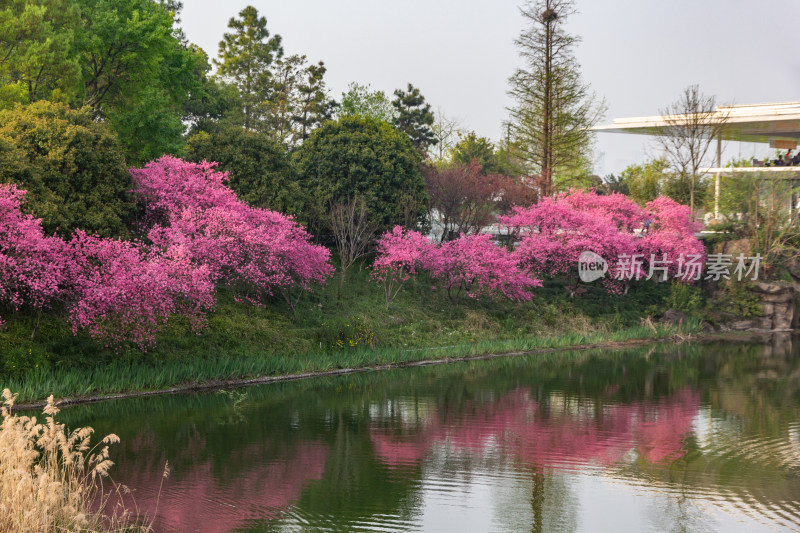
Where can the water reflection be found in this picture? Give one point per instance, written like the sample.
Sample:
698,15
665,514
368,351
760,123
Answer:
557,431
689,438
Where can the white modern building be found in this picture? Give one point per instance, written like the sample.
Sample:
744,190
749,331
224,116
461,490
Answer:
776,123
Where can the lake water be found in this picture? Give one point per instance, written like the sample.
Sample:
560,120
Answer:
695,437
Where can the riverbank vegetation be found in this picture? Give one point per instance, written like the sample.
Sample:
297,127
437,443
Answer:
223,249
328,332
52,478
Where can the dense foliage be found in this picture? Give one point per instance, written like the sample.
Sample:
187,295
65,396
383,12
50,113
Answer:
71,167
258,169
122,58
365,157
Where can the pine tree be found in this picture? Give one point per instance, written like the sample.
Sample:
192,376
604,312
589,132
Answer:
245,57
314,107
414,117
297,101
554,108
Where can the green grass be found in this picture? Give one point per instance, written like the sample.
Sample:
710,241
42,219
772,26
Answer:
329,332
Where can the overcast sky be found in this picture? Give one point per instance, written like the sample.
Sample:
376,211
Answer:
637,54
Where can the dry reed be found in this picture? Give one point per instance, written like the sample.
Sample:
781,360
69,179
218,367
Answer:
52,480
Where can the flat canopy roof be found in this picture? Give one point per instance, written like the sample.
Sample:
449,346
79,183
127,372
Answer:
746,123
767,172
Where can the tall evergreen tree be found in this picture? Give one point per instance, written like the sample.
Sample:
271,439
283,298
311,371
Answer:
245,57
297,101
314,107
553,108
414,117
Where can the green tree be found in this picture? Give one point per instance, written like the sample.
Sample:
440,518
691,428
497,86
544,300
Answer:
360,100
279,108
37,60
553,107
214,103
314,107
680,188
739,194
366,157
473,148
414,117
245,59
125,59
297,101
258,168
614,184
72,167
646,181
137,73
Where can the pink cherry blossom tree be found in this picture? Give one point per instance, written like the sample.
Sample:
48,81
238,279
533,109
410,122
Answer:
554,232
117,291
400,255
671,238
256,252
32,265
123,292
474,266
617,208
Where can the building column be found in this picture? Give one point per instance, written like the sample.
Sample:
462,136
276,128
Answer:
716,178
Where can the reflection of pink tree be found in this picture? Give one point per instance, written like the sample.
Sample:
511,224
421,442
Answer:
397,451
661,437
549,437
199,500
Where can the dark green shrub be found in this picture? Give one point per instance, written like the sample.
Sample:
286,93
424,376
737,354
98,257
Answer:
71,166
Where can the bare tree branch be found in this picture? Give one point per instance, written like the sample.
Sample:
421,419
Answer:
353,231
692,124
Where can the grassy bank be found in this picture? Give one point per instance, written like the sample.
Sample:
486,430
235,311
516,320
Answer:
329,331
